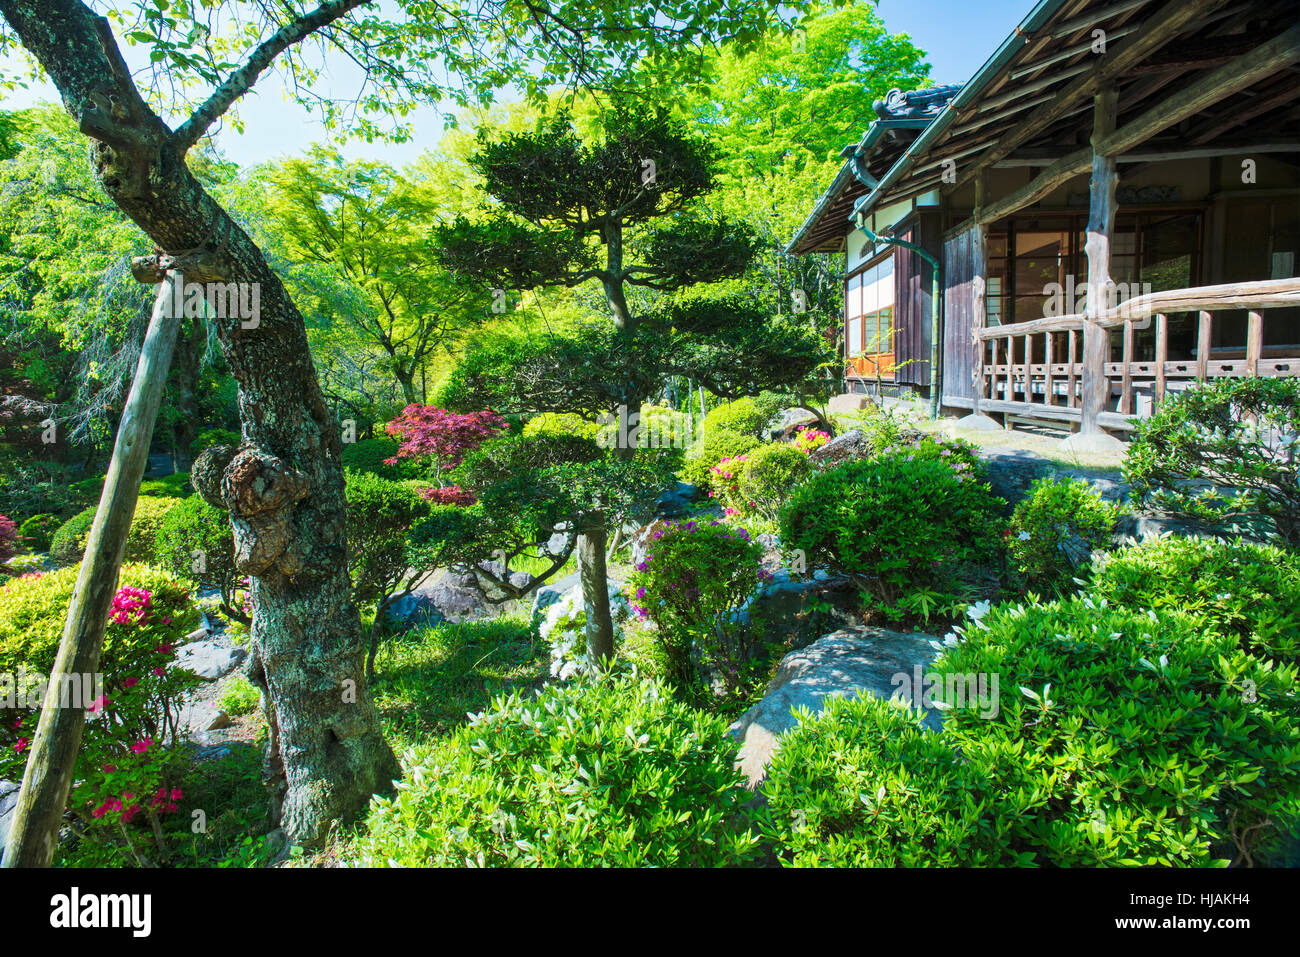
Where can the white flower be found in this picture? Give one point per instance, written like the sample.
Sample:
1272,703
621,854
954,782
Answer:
978,610
1024,536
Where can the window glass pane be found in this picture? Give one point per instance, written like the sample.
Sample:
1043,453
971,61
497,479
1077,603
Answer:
993,301
853,304
855,336
883,284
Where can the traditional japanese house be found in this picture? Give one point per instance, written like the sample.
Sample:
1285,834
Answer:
1113,205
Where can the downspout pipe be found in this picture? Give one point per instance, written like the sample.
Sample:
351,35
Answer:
934,304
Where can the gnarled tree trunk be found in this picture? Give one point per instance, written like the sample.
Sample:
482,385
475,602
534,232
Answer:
284,487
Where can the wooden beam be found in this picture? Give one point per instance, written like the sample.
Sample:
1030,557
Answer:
1085,47
1222,83
1254,342
1126,380
1162,354
1092,19
1156,31
1164,156
1203,333
1243,113
1022,90
1242,72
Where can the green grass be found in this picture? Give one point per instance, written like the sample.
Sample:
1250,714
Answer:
428,681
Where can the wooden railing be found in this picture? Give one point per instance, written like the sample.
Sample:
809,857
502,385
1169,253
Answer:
1072,381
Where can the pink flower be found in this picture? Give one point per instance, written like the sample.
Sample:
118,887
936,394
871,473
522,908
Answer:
130,605
110,768
176,794
130,682
140,747
158,672
21,746
101,702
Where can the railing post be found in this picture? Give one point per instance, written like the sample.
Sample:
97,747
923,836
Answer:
1126,386
1047,369
1203,346
1162,357
1254,343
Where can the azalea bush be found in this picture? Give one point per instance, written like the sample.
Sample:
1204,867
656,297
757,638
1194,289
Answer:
896,525
1225,454
809,440
1054,531
1119,737
692,584
194,541
127,766
742,416
753,487
69,542
8,539
711,450
38,530
1247,591
611,772
562,628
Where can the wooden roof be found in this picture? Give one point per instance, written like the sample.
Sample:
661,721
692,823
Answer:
1031,102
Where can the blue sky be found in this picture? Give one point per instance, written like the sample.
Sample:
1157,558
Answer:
957,35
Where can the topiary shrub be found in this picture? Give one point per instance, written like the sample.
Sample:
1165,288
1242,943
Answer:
194,541
560,423
605,773
894,525
210,437
1224,454
176,485
126,765
370,455
38,530
69,542
770,474
742,415
712,449
1054,530
692,583
1250,592
1116,737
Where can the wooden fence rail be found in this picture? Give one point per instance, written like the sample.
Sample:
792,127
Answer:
997,369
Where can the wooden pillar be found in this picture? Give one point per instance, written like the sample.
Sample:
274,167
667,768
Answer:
1101,226
1072,381
1203,347
1047,375
1011,369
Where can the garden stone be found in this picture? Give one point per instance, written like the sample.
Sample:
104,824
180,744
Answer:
852,445
8,806
1144,526
210,659
1012,471
852,661
413,611
675,501
785,424
554,592
849,402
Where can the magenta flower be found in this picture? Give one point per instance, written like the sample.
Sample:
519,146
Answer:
140,747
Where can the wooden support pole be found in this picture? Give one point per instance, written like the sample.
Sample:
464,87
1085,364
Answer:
1029,369
1072,382
1048,398
1101,226
48,775
993,371
1162,355
1126,386
1203,333
1011,370
1254,342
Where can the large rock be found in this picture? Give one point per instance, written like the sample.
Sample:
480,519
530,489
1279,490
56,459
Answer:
210,659
787,423
676,501
849,402
854,444
8,804
851,661
1012,471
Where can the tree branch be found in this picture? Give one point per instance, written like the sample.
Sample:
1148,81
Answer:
242,80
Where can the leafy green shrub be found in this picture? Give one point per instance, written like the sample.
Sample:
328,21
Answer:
38,530
1054,530
84,493
69,542
368,455
894,524
239,696
712,449
606,773
692,583
1201,455
1251,592
742,415
1119,737
194,541
560,423
176,485
125,765
766,479
210,437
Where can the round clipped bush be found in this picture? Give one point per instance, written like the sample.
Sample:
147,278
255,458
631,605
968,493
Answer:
1110,737
893,524
606,773
1054,530
712,449
369,455
194,541
69,542
770,474
742,415
561,423
38,530
210,437
176,485
1248,591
